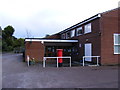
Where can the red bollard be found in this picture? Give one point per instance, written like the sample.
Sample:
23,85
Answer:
60,54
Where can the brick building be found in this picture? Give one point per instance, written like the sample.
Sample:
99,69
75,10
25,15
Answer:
95,36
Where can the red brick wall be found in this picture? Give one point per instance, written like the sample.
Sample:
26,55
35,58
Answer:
92,37
109,26
34,50
103,43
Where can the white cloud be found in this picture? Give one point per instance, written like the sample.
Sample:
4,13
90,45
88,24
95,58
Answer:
48,16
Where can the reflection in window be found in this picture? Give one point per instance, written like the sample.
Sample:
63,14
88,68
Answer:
116,43
68,34
72,33
63,36
79,31
88,28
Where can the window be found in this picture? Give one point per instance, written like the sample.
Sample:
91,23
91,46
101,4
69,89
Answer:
80,45
69,50
116,43
88,28
63,36
68,34
79,31
49,49
72,33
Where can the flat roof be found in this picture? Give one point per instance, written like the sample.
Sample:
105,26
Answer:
49,40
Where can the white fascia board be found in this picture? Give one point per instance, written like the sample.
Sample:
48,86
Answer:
41,40
116,33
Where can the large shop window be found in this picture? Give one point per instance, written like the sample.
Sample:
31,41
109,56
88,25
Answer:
88,28
116,43
79,31
72,33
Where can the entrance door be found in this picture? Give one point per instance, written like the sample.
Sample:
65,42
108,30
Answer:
88,51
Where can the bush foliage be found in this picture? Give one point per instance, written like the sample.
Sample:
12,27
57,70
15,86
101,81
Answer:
10,42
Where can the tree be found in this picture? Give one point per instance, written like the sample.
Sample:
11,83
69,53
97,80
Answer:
19,42
9,30
10,42
47,35
29,34
7,38
18,45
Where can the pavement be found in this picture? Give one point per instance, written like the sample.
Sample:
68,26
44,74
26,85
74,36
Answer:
16,74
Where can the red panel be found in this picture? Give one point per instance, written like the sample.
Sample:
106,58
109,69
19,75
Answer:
60,54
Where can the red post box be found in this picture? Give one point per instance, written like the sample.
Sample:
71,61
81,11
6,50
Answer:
60,54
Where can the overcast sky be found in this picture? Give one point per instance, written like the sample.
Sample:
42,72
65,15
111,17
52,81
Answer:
41,17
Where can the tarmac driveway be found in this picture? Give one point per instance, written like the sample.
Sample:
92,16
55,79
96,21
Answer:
16,74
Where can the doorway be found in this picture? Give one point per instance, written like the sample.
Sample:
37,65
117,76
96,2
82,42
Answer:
88,51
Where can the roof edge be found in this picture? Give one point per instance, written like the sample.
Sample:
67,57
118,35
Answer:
50,40
83,22
110,10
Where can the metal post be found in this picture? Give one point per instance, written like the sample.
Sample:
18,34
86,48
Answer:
97,61
28,60
44,62
57,62
70,61
83,61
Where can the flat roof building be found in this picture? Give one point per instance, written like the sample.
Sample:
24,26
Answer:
98,35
